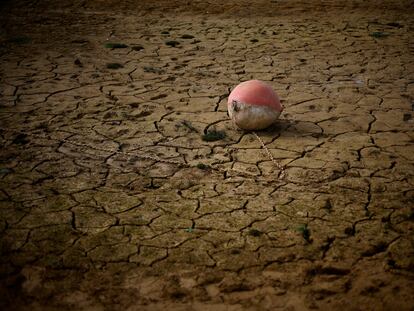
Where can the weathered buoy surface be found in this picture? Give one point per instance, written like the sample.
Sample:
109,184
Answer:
254,105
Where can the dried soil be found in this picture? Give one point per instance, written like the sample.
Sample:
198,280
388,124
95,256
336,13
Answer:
112,197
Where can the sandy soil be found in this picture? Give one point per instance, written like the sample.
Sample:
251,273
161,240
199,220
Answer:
124,185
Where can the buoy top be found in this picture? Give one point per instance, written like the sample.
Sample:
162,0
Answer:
257,93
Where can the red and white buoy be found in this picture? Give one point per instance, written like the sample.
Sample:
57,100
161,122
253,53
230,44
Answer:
254,105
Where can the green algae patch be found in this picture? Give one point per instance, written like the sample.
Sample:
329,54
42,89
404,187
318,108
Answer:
114,66
111,45
213,136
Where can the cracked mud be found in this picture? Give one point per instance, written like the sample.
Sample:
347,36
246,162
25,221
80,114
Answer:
125,186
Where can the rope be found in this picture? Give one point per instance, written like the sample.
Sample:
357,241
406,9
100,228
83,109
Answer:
282,172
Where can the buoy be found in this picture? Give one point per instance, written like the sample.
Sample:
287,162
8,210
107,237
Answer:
254,105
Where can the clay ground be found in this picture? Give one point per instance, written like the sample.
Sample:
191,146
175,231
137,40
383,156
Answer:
113,198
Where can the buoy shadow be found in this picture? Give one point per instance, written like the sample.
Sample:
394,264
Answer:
292,128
